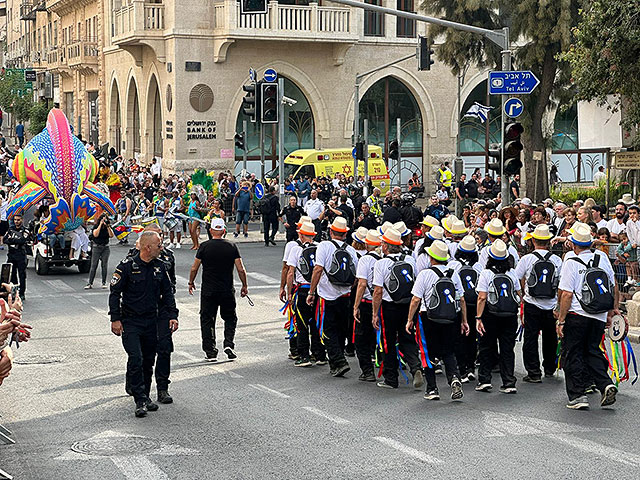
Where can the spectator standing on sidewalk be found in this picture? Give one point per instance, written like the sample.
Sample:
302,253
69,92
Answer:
270,208
290,216
100,251
241,207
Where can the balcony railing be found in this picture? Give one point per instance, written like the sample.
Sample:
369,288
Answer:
290,22
82,53
56,58
137,19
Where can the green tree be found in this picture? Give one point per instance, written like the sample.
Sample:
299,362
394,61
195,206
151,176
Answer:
604,57
38,117
540,31
14,99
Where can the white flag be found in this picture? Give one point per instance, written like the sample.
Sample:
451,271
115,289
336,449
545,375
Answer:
478,111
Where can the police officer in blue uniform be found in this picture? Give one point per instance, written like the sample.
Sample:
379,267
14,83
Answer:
141,294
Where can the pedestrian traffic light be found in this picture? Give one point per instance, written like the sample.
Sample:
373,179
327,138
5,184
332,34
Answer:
495,151
253,6
240,143
424,54
512,148
359,150
394,150
250,101
269,101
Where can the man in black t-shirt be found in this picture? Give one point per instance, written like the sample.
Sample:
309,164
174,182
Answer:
472,187
461,188
218,258
514,187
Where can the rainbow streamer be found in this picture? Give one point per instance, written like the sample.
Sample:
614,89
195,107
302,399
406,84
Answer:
519,333
559,354
401,362
320,319
422,345
620,357
290,324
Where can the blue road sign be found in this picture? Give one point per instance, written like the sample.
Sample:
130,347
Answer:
513,107
252,75
353,153
506,83
259,191
270,75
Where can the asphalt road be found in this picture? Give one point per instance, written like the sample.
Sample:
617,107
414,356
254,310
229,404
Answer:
259,417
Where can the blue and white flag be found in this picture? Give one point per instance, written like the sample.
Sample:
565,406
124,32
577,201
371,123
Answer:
478,111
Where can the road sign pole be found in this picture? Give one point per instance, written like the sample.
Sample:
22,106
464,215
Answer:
398,127
365,189
281,128
244,150
506,66
356,126
261,152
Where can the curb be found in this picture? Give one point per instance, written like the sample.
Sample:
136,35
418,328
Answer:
634,334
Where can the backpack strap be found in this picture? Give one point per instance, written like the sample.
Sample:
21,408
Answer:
437,271
374,255
548,256
579,260
538,256
595,260
449,273
335,244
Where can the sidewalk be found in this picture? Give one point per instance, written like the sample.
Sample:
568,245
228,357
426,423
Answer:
634,334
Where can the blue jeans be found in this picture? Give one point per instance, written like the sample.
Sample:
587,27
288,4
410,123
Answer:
53,239
242,217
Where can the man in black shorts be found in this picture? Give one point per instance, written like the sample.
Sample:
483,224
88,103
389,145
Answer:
218,258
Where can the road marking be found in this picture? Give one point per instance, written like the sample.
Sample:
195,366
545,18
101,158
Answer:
407,450
83,300
501,424
328,416
100,311
261,277
602,450
234,374
59,285
263,388
138,468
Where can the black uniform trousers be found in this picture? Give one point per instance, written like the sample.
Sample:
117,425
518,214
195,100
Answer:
269,223
365,337
498,331
441,343
537,320
139,341
393,322
209,304
307,325
335,321
292,234
164,349
351,327
583,361
19,273
467,345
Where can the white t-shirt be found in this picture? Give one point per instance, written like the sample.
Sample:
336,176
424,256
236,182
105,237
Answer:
486,276
453,248
287,249
324,254
484,255
422,262
523,270
614,227
633,231
601,224
423,287
382,272
416,249
572,279
314,208
366,265
295,252
156,168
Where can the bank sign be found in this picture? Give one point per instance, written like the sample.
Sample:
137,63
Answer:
201,130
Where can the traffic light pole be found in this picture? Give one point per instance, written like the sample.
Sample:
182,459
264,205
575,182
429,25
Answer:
244,150
281,140
365,189
506,66
261,152
399,160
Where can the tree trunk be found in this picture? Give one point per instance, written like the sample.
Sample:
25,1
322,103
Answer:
538,189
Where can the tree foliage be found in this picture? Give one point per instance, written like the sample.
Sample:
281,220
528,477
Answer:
13,98
605,57
38,117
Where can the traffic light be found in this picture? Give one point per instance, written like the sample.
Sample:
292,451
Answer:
250,101
360,151
253,6
240,143
495,151
512,148
269,101
424,54
394,150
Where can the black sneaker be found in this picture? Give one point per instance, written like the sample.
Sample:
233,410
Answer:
432,395
609,395
532,379
293,356
483,387
141,410
230,353
211,356
384,384
438,369
510,389
591,389
340,371
303,362
164,397
456,389
235,235
349,353
471,376
580,403
549,373
367,377
246,235
322,361
273,242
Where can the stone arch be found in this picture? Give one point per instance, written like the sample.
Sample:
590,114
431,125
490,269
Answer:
133,128
115,115
154,117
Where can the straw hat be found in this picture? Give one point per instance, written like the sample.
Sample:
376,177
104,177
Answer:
498,250
495,227
439,251
302,220
373,238
458,227
436,233
392,236
339,225
589,202
627,199
581,234
307,228
360,234
429,221
402,228
526,201
540,233
382,228
468,244
447,222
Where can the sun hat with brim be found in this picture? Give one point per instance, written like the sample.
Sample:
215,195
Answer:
307,228
302,220
360,234
402,228
498,250
439,251
581,234
458,227
436,233
373,238
429,221
589,202
392,236
526,201
495,227
382,228
627,199
541,232
339,225
447,222
467,244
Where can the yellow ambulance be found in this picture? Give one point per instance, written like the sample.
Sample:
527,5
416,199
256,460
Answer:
328,162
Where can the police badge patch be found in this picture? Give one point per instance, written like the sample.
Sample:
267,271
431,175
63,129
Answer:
115,279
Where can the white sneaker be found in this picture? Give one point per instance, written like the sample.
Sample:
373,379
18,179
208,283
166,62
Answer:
88,286
178,245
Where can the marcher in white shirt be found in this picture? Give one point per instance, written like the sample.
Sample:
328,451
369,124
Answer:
495,229
581,332
423,260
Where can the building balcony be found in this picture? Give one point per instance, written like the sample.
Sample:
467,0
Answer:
27,10
57,60
82,55
139,24
304,23
38,59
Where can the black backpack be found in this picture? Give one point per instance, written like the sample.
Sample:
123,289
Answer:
442,306
469,279
597,292
400,282
543,279
342,270
501,297
307,261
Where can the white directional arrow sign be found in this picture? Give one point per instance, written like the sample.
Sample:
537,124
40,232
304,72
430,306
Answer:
129,453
